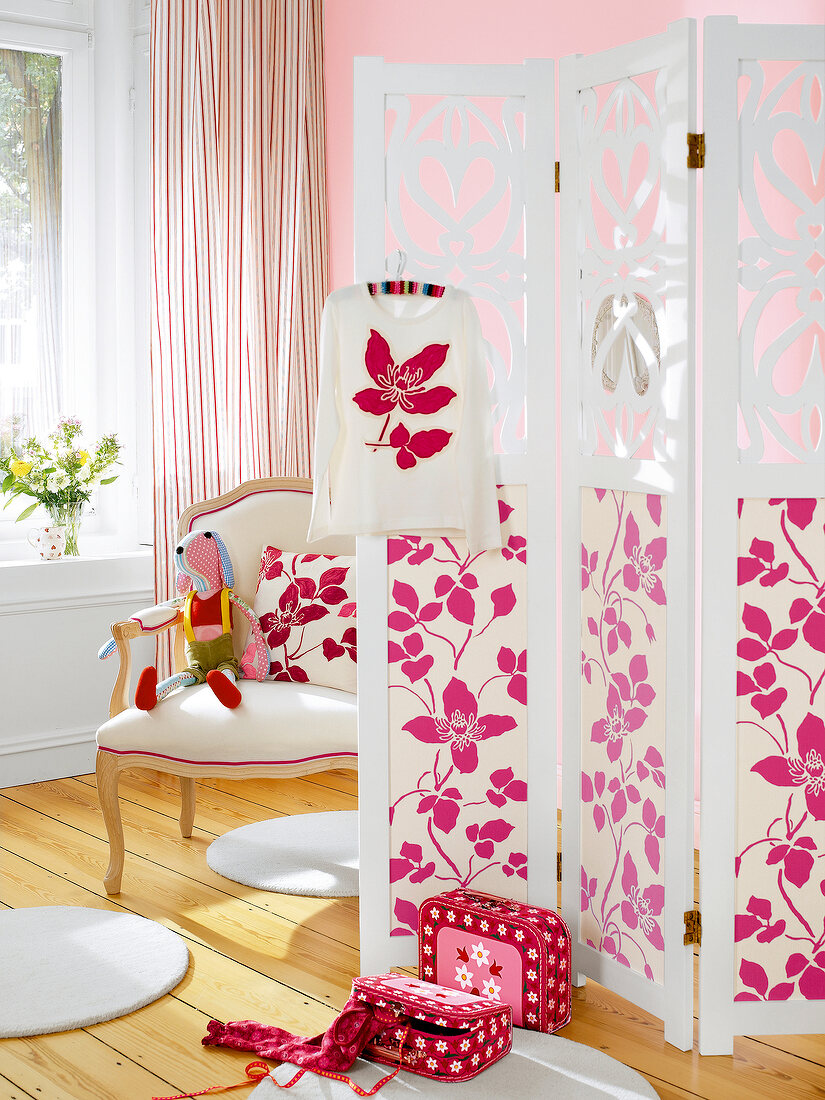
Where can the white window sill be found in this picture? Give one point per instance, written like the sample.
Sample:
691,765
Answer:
18,552
94,578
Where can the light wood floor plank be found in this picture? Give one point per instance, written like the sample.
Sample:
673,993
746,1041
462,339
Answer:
214,987
76,1066
156,837
270,957
10,1091
233,806
173,1030
266,792
668,1091
603,1020
220,986
224,990
339,779
262,940
810,1047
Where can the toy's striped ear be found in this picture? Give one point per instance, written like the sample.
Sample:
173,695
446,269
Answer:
183,582
226,561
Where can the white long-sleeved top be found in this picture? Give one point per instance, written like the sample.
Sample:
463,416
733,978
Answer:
403,438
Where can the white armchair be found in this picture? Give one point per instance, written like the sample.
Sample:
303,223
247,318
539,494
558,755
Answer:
280,729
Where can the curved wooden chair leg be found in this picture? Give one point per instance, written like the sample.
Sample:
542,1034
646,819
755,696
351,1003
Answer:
187,805
107,781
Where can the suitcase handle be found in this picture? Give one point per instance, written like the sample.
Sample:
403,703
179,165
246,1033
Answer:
488,898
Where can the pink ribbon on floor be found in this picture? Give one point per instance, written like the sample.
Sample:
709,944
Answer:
327,1054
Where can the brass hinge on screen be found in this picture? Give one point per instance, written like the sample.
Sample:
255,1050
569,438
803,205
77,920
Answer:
558,185
558,866
696,150
693,927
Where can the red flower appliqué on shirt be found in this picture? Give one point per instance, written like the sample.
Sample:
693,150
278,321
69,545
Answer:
402,386
421,445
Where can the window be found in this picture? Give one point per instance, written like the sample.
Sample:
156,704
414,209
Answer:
33,376
46,237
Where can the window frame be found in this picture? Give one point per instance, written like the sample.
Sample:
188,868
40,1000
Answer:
81,377
144,467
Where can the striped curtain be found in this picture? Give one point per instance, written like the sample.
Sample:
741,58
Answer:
239,247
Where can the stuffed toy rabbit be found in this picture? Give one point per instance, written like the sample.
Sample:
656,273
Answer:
204,583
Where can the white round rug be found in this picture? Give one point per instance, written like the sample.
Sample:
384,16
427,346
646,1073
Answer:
537,1067
65,966
311,854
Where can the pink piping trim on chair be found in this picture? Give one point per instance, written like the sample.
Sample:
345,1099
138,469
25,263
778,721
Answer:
226,763
143,625
246,496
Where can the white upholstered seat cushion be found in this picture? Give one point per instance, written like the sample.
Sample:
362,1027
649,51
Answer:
276,723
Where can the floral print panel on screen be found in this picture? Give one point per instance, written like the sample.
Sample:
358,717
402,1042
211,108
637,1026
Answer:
780,843
458,715
624,607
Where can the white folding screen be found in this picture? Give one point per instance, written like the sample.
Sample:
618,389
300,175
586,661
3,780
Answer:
762,962
447,158
446,161
627,305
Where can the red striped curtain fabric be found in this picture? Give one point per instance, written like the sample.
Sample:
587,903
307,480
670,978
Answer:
239,247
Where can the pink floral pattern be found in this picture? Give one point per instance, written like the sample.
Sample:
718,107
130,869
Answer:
401,386
306,607
460,727
780,881
458,693
623,581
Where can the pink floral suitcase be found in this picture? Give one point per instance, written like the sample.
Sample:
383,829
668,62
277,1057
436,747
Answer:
445,1034
498,949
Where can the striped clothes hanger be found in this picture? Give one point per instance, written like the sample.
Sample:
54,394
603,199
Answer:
403,286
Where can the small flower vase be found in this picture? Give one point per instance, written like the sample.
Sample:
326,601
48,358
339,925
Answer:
68,516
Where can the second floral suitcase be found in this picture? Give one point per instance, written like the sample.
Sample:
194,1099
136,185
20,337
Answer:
499,949
440,1033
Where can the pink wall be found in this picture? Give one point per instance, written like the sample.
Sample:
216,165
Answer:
481,31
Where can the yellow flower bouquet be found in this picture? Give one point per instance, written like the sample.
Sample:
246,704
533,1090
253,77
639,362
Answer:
59,476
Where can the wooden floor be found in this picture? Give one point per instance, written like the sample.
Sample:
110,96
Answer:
271,957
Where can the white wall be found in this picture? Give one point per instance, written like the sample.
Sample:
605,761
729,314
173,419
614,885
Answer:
53,618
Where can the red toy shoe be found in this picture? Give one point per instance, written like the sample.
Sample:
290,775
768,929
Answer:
226,691
146,692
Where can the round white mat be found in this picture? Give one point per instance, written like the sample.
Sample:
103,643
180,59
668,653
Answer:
65,966
538,1066
311,854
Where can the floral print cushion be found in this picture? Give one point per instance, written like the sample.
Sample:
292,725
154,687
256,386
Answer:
306,606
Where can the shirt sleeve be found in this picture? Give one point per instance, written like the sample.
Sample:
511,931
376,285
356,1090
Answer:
476,463
327,427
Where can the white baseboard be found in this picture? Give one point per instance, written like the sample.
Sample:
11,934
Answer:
48,755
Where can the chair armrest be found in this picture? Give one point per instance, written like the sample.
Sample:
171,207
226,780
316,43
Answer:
157,617
123,632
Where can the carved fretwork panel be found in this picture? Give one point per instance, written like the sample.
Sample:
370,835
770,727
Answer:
622,253
455,205
781,259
